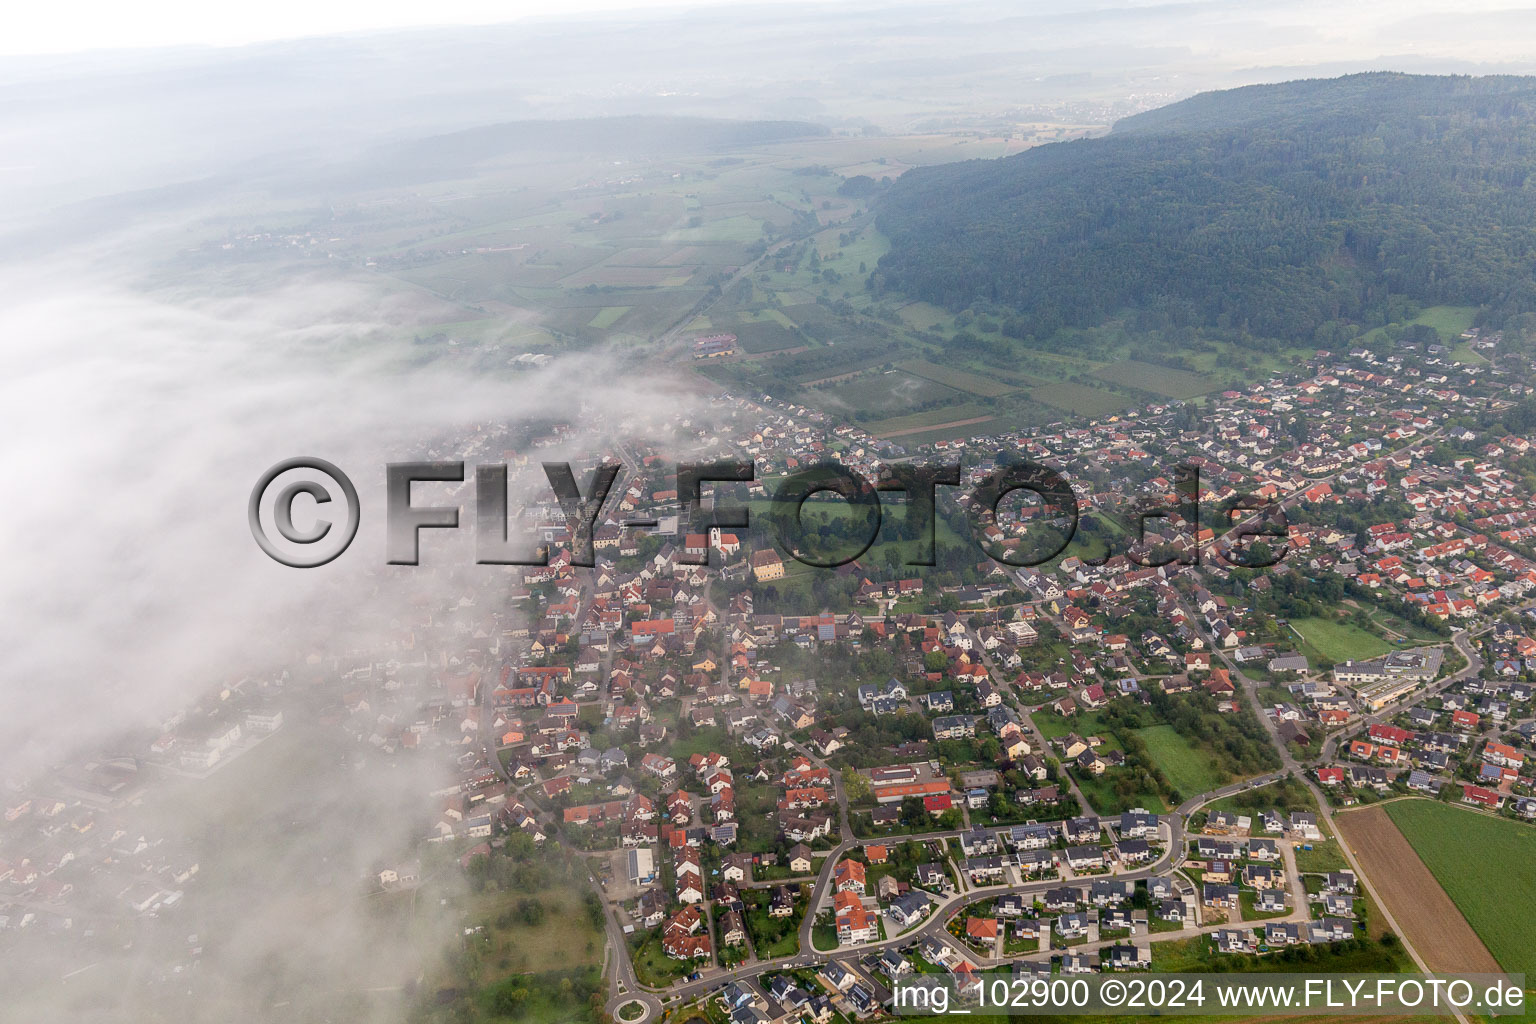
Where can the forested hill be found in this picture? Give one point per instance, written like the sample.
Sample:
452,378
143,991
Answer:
1282,210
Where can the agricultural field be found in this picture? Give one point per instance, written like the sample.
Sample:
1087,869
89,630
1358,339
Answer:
1338,641
1485,865
605,275
607,317
1079,399
1014,377
1161,380
962,380
762,336
740,228
890,393
653,243
758,242
1429,919
951,417
864,249
652,310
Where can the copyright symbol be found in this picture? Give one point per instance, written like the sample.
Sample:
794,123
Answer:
1112,992
282,513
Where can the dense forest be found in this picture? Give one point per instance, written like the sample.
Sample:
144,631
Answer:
1281,211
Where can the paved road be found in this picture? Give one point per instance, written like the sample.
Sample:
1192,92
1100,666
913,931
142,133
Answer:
951,904
934,926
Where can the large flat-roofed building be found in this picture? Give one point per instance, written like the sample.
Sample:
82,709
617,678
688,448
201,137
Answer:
894,783
1379,694
642,866
712,345
1381,681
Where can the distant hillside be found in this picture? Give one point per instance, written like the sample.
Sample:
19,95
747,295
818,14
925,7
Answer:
1282,210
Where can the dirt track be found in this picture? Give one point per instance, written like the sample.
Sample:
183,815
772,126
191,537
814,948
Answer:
937,426
1433,925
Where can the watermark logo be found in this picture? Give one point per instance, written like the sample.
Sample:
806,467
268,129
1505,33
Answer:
1049,533
284,483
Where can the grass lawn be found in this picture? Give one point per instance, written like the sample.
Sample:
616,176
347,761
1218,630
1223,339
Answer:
701,741
1195,954
772,936
1105,800
557,997
1324,856
565,936
1449,321
1464,353
1188,767
1085,723
1162,380
890,392
654,967
1486,865
1249,902
1339,641
1414,635
922,315
1081,399
1181,954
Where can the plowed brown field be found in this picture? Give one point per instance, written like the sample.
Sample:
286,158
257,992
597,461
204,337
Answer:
1429,920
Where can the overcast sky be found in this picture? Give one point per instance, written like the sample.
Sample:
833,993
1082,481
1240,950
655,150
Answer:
71,26
75,26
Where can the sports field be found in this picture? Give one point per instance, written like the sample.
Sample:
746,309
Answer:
1340,641
1487,867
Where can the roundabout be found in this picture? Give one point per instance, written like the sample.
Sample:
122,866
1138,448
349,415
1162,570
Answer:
632,1011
